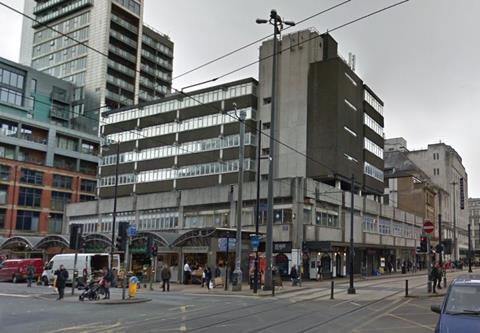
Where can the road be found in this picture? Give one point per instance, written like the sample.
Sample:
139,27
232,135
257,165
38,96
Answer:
378,306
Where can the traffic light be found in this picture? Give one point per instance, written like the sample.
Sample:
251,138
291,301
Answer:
154,250
423,244
83,242
149,246
447,246
75,235
121,240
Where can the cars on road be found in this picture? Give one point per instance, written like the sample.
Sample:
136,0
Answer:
460,310
15,270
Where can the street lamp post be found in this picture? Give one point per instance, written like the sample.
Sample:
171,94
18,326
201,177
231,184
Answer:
455,257
469,248
114,213
237,273
257,203
277,23
351,288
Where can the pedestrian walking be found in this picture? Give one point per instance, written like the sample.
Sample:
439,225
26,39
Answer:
436,277
107,282
166,275
208,277
187,273
61,279
30,274
294,275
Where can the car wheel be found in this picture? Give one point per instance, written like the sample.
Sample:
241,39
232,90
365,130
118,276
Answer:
14,279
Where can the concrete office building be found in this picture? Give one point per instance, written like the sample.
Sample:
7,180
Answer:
324,110
133,62
44,162
443,165
179,161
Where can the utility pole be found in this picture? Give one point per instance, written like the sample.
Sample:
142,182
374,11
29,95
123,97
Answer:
114,213
455,257
126,264
75,273
277,23
257,203
469,248
351,288
237,273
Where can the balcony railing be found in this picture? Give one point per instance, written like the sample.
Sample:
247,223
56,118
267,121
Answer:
32,138
124,24
61,113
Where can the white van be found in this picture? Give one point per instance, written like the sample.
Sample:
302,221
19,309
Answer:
91,262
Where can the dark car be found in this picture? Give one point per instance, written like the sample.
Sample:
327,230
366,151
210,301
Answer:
460,310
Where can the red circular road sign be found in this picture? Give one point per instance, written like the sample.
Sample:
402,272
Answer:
428,227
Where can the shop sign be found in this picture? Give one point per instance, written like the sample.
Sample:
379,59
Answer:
195,249
282,247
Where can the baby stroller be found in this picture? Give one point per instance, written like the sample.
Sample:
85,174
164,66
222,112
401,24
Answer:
92,291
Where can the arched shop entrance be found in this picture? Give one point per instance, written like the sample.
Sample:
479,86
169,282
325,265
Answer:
97,243
52,245
22,247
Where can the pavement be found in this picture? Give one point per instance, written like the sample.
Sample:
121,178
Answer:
378,305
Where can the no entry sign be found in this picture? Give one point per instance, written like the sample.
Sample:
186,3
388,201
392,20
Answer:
428,227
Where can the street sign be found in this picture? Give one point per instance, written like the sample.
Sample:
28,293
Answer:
132,230
254,242
428,227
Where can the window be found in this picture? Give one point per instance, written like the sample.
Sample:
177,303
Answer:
27,220
436,171
326,219
4,172
373,148
372,124
350,131
350,105
34,85
59,200
2,218
84,198
67,143
370,224
31,177
3,194
88,186
62,182
372,171
384,227
29,197
351,79
55,222
376,105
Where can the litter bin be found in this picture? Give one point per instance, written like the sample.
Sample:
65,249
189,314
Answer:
132,287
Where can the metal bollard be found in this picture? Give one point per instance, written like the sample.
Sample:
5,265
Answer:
332,287
434,288
406,288
444,282
273,288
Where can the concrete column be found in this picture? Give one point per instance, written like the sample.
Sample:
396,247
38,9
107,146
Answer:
212,255
297,212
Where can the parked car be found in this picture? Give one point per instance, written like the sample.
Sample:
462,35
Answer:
15,270
460,310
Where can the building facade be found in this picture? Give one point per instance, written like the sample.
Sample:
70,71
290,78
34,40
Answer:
125,62
323,109
474,220
443,166
44,162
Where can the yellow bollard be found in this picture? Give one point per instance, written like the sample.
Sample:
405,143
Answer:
132,287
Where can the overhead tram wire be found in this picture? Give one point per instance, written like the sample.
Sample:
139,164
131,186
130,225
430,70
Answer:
85,43
257,41
285,182
201,103
178,91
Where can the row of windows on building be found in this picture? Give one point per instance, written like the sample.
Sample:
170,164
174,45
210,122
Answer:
373,171
373,148
197,170
66,54
62,11
182,149
131,5
29,221
372,124
34,177
11,79
68,68
373,102
156,59
372,224
60,43
184,102
62,27
157,45
185,125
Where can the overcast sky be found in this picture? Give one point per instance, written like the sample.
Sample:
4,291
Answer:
422,58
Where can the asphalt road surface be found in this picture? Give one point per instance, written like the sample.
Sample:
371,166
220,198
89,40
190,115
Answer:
378,306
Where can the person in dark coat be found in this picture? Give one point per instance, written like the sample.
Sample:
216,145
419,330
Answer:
30,274
294,275
107,282
62,276
208,277
166,275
